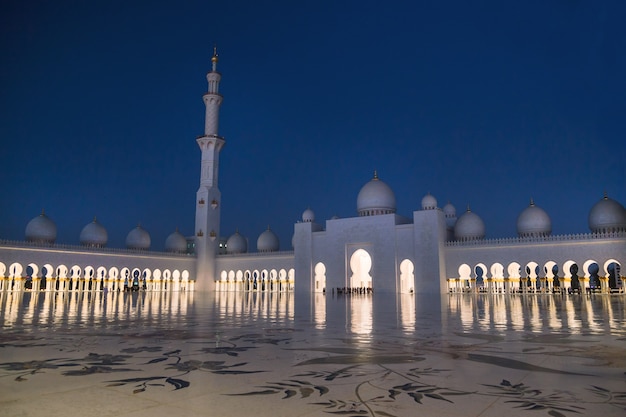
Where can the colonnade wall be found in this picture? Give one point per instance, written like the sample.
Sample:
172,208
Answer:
271,271
65,267
572,262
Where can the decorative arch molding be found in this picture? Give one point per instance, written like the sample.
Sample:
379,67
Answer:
465,272
567,266
513,270
608,263
497,271
586,266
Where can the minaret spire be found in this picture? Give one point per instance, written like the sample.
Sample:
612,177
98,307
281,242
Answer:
208,196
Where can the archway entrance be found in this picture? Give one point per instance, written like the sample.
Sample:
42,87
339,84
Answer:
406,276
320,277
360,264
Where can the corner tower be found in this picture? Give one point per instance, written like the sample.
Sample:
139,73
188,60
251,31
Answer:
208,197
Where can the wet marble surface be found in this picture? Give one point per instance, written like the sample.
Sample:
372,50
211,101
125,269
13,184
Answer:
232,354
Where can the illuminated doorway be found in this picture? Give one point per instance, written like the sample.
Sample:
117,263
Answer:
360,264
320,277
406,276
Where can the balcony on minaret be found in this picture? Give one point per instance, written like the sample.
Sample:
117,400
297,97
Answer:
211,136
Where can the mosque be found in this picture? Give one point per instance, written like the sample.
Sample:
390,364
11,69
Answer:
377,250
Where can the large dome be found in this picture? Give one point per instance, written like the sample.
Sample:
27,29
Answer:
138,238
176,242
469,227
429,202
236,244
94,235
533,221
41,229
267,241
375,197
607,216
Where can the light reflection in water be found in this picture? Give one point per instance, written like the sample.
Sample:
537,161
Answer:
361,316
573,314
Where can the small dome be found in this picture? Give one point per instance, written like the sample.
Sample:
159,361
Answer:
469,227
375,197
308,216
449,210
94,235
138,238
533,221
176,242
41,229
607,216
237,244
450,214
267,241
429,202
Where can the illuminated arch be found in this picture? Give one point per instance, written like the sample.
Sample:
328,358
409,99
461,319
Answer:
465,271
361,265
320,277
407,277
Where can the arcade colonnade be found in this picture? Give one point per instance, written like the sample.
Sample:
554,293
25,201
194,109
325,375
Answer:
550,276
274,280
46,277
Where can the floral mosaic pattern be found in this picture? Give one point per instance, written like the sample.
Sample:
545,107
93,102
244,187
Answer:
386,374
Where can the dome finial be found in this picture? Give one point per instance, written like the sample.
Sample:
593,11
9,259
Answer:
375,175
532,202
606,195
468,207
214,57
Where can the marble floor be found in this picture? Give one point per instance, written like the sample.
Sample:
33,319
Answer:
268,354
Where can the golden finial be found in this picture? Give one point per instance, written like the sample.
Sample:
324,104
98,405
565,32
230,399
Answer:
214,58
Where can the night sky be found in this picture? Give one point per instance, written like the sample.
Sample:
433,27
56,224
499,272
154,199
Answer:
486,103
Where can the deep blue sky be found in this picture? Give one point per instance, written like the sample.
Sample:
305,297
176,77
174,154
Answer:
486,103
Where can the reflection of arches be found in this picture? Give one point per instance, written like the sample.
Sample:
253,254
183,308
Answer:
360,264
320,277
407,277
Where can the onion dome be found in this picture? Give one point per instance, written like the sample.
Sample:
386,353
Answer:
41,229
138,238
94,235
469,227
449,212
375,198
429,202
607,216
267,241
237,244
533,222
176,242
308,216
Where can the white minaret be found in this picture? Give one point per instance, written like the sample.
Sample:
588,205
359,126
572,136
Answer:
208,197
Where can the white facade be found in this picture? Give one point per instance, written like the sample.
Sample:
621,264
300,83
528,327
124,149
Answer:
377,250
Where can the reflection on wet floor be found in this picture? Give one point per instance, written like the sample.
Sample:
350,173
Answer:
269,353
